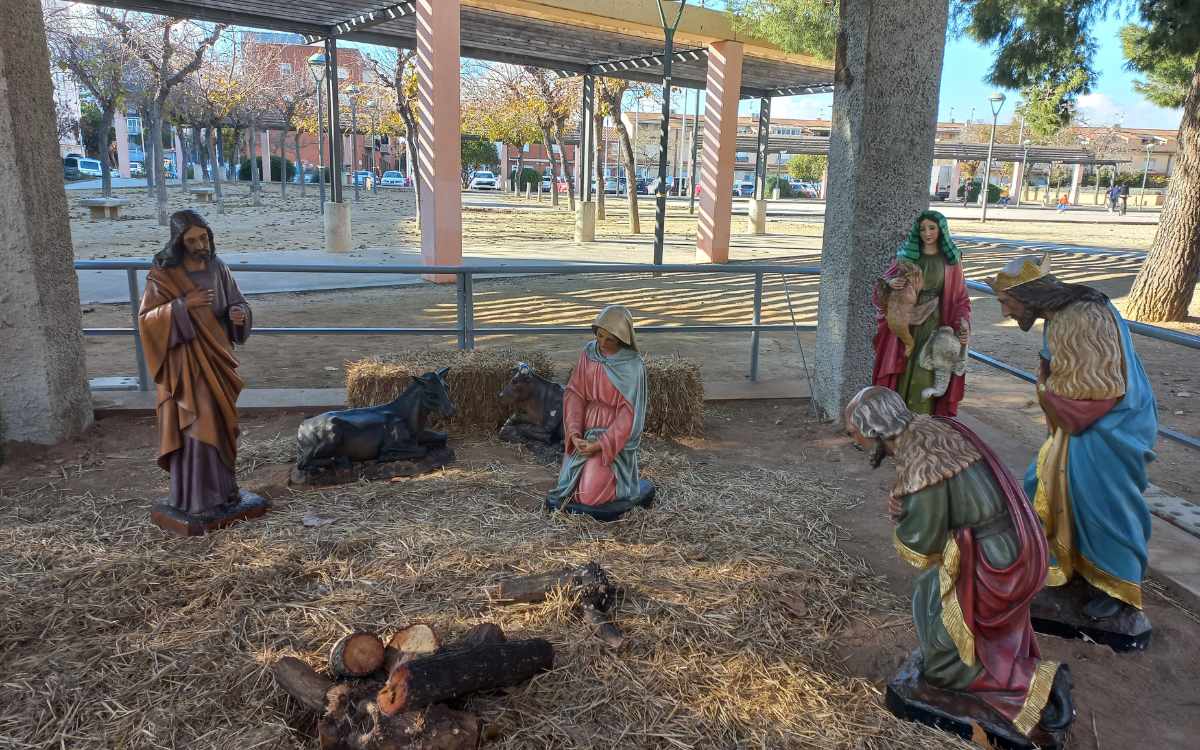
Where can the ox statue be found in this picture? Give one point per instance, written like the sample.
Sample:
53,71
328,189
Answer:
537,421
394,431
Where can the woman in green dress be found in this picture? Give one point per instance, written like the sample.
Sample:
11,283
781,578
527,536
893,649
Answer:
929,246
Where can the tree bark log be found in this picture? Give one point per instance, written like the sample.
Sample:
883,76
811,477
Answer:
482,634
536,587
308,686
355,722
1163,289
456,673
412,642
356,655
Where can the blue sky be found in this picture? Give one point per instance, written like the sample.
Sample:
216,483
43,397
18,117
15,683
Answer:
963,88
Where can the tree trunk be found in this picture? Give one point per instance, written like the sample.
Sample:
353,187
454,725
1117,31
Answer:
303,683
160,177
598,163
635,221
216,171
298,165
565,168
1163,289
548,142
520,167
456,673
106,120
356,654
255,184
410,154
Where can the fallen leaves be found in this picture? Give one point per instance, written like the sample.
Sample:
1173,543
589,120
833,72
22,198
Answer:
796,605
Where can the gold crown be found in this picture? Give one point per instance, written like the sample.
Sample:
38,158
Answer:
1030,271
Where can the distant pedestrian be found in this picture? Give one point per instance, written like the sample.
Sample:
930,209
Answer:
1114,195
1123,194
1062,204
1004,197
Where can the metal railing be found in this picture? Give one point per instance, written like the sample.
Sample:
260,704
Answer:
465,330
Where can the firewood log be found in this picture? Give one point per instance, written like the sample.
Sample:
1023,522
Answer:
355,722
308,686
479,635
356,654
452,674
412,642
534,588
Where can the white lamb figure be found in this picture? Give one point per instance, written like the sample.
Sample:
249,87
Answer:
943,355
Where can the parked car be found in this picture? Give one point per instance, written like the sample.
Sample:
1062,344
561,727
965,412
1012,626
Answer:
614,185
745,188
80,165
137,169
362,177
483,181
393,179
546,183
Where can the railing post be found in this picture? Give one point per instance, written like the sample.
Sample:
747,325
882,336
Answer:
469,306
460,306
134,304
758,282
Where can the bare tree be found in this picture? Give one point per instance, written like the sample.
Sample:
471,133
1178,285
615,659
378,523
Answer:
397,69
172,49
559,103
610,93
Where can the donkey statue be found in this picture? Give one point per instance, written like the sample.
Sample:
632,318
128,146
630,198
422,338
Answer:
394,431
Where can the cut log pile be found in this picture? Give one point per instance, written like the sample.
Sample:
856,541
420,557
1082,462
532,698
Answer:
593,591
388,697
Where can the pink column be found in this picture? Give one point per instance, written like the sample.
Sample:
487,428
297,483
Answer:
264,155
1014,188
438,140
122,127
504,166
720,143
955,176
1076,181
824,179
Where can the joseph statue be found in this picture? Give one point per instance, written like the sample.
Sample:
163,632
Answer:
962,515
192,314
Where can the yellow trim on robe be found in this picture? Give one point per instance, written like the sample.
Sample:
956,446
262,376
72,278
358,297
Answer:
952,614
912,557
1052,501
1037,697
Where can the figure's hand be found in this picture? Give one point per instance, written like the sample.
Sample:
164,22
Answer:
898,283
894,509
964,336
237,315
198,298
587,447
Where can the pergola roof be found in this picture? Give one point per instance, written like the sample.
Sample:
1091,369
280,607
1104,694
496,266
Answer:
617,38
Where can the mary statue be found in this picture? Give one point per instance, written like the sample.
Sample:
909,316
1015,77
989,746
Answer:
604,407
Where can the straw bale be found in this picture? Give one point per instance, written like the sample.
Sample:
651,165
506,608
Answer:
676,392
113,634
475,379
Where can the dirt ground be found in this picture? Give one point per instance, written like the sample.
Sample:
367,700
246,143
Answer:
1123,701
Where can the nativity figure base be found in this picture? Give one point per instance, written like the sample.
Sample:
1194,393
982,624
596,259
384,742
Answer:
610,511
551,453
348,471
1063,611
910,698
178,522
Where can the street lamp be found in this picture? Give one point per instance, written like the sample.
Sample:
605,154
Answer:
1024,161
1145,173
373,106
352,97
316,64
997,102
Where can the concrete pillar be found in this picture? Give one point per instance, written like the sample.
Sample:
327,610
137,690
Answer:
121,125
720,145
955,176
1076,181
337,227
756,220
889,66
585,221
438,143
264,155
44,395
180,157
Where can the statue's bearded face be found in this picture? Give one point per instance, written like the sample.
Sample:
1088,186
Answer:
195,243
1024,313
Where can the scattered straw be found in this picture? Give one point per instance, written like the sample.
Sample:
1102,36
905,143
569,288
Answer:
114,635
475,379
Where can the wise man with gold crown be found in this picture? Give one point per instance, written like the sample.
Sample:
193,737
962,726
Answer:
1088,479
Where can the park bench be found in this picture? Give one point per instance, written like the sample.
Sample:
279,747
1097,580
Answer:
105,208
204,195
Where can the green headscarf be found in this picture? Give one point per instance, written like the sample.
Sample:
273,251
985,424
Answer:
911,250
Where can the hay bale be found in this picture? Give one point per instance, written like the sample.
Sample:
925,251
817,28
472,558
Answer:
475,379
676,394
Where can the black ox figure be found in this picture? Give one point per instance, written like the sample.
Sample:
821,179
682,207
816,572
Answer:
538,420
390,432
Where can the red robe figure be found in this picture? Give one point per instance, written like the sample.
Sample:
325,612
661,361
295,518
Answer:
930,247
963,516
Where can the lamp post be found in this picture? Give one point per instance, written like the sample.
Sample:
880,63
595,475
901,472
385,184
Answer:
660,196
1145,174
373,106
1024,160
997,102
316,64
352,97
